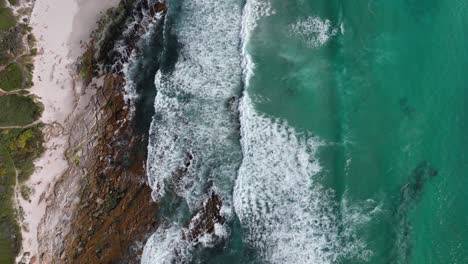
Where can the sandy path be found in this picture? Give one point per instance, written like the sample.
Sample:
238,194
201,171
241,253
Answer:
59,26
25,126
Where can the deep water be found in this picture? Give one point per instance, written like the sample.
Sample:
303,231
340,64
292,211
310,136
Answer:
333,131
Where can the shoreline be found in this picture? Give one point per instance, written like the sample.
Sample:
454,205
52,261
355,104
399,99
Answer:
60,32
108,215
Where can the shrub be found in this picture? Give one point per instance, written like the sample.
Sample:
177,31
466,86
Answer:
18,110
7,20
11,78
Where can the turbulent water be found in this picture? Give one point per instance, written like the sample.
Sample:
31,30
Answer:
310,132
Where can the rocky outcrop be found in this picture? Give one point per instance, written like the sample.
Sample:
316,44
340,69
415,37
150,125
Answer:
116,207
101,210
205,220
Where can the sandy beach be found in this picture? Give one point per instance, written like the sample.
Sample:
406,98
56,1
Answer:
60,26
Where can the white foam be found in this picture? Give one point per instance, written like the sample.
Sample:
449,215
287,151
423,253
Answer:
130,94
314,31
274,196
253,11
288,215
191,112
146,25
194,128
166,246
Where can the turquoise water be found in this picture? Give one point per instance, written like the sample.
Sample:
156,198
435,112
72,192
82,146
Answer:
352,137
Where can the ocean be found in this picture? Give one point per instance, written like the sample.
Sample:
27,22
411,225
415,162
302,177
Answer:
330,132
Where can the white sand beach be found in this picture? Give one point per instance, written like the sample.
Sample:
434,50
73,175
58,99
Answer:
59,27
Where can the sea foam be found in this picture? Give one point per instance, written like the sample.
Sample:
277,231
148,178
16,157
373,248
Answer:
166,246
252,12
140,27
194,130
314,31
288,216
194,137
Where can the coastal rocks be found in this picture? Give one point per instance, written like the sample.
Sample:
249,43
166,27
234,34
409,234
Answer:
111,208
205,222
177,180
119,37
100,220
101,210
177,244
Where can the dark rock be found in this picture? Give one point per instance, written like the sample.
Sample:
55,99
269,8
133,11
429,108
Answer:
204,221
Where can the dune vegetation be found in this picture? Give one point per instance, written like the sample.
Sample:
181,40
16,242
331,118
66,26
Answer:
21,139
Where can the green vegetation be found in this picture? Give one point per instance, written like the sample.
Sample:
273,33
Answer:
15,57
75,157
26,192
18,149
7,20
18,146
9,229
25,146
18,110
11,42
11,78
31,40
27,67
87,65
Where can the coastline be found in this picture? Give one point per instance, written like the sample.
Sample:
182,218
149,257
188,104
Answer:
108,214
233,132
59,30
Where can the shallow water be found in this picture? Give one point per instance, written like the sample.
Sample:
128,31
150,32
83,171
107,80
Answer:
350,141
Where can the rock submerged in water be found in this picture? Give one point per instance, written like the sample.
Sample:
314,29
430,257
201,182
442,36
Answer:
420,175
205,220
409,195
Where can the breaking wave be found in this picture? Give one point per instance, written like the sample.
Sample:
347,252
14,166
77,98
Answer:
287,215
140,25
195,123
194,151
313,31
165,246
205,142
